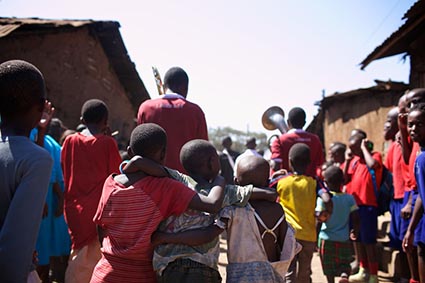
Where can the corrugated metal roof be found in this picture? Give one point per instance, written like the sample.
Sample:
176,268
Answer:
380,87
110,38
6,29
400,40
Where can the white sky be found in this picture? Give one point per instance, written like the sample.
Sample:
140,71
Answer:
243,56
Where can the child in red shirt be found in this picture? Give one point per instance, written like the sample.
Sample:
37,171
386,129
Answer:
87,159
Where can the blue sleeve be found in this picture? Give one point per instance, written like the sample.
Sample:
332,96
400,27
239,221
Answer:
420,173
321,188
20,229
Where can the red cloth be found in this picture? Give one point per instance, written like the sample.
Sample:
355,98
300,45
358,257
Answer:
182,121
129,216
395,164
361,184
280,149
411,181
86,163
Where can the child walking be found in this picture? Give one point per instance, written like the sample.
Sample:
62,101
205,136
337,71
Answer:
24,167
87,159
297,194
336,250
132,206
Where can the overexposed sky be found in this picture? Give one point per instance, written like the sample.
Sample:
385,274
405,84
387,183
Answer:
243,56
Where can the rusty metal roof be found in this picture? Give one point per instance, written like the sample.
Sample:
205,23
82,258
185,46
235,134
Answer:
380,87
109,36
400,40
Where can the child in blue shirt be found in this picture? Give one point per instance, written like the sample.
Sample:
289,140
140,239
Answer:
336,251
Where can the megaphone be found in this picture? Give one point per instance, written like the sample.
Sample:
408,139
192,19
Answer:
274,118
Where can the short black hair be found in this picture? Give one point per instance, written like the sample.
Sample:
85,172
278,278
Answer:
94,110
418,107
359,132
333,175
195,153
21,87
299,153
176,78
296,117
338,146
147,139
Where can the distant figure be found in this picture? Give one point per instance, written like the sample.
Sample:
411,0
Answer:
250,145
182,120
87,159
227,160
296,134
24,167
337,153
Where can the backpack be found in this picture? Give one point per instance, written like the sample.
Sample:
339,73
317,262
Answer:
386,191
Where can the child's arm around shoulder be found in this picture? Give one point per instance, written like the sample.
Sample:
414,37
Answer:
193,237
214,201
139,163
268,194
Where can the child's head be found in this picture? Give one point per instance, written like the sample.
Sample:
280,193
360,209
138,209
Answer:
416,123
22,94
148,140
390,125
415,96
251,143
177,81
299,157
252,170
94,112
334,178
296,118
337,152
226,142
199,158
354,143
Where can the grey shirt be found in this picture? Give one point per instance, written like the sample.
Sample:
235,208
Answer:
24,178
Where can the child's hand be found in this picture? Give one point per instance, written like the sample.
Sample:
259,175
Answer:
407,243
402,121
353,235
280,172
348,155
323,216
47,115
132,165
406,211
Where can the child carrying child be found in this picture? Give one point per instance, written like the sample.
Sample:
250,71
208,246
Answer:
87,159
297,194
132,206
336,251
197,261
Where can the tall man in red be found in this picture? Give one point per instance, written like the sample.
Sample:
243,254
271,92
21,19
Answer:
182,120
296,134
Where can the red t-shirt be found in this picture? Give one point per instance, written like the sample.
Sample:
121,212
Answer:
182,121
411,180
129,216
86,163
280,149
361,184
395,164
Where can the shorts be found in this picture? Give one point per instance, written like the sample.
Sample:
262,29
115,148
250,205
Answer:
335,257
186,270
368,224
395,225
420,232
405,222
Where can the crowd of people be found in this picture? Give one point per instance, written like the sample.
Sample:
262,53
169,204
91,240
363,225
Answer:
79,211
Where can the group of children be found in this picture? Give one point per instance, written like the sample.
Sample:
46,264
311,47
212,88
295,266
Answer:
139,221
